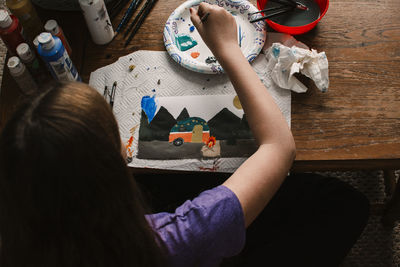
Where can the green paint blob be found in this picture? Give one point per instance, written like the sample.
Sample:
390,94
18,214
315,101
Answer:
184,42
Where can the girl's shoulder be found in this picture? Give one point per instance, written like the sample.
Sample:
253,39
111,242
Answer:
203,230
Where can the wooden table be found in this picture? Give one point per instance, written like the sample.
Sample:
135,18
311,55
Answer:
356,125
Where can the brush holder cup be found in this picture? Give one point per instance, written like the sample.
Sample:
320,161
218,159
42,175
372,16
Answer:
301,28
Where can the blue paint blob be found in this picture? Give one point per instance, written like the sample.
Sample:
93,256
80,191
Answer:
191,28
154,90
149,106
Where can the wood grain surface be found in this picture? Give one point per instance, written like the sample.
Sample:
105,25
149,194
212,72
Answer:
359,117
355,125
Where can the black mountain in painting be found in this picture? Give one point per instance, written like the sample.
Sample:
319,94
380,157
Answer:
244,132
224,125
159,127
183,115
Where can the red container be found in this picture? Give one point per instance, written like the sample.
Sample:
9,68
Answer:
323,6
12,35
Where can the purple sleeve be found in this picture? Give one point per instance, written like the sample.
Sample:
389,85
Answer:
203,231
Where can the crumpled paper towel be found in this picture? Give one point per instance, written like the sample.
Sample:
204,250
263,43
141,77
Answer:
156,73
286,56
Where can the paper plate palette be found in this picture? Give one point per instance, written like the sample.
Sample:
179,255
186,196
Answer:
186,47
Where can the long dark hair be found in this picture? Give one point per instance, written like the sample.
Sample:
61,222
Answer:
67,197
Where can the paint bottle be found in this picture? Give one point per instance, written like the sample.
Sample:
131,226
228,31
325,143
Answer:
52,27
36,45
56,57
36,42
97,20
33,64
10,31
22,76
26,13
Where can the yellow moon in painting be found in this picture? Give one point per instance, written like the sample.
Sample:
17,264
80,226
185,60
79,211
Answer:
236,102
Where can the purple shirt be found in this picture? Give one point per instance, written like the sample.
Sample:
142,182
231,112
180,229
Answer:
203,231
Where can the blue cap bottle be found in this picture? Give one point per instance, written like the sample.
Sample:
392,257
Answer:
56,57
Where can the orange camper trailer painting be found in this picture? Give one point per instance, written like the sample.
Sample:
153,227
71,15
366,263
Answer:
190,130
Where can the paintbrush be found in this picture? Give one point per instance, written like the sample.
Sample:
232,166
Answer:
112,96
140,22
105,92
116,8
299,5
281,11
267,10
291,3
135,20
127,16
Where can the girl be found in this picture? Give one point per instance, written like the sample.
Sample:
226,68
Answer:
67,197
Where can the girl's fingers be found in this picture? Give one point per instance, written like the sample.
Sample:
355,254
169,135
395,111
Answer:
194,16
202,9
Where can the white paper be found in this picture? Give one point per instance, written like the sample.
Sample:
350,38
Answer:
156,73
204,107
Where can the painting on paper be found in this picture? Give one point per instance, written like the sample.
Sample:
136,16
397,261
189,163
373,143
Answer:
194,127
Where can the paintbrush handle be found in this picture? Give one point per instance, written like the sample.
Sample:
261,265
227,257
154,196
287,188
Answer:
105,92
284,2
298,5
137,3
267,10
112,96
126,16
272,15
116,8
135,20
292,3
140,22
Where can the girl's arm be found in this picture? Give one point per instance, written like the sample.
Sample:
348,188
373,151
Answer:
260,176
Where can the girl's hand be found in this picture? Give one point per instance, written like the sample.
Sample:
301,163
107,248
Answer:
218,30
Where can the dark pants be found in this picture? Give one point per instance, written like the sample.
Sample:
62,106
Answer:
311,221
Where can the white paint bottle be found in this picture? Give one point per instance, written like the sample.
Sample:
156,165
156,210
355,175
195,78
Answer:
27,56
22,76
97,20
